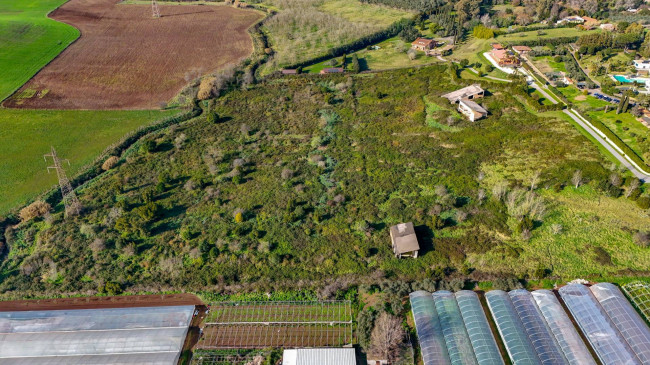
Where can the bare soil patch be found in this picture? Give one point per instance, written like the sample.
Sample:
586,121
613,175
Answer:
125,301
125,59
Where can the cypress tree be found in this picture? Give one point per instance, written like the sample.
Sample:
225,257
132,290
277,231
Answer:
626,104
356,67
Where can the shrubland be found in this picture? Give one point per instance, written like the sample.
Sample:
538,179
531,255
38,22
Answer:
293,183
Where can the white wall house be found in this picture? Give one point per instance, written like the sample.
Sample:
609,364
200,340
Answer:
471,110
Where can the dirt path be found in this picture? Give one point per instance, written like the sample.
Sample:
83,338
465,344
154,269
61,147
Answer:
125,59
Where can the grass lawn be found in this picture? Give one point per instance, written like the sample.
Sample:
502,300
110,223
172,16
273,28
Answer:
630,130
80,136
355,11
546,64
303,30
29,40
586,217
547,33
391,54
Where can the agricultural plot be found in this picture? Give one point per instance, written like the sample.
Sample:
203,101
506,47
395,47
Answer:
29,40
277,324
207,358
639,293
79,136
125,59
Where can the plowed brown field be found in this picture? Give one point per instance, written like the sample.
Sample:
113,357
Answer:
125,59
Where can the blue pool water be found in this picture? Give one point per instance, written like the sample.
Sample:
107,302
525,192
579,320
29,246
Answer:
622,78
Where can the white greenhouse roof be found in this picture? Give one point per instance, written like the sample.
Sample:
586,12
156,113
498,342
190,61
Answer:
144,335
319,356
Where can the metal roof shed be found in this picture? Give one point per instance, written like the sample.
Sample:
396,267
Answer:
404,240
319,356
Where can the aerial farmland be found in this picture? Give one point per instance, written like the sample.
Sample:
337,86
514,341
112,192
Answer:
324,182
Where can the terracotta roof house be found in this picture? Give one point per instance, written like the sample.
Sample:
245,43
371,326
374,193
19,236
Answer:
504,58
424,44
497,46
404,241
469,92
332,70
590,22
471,110
521,49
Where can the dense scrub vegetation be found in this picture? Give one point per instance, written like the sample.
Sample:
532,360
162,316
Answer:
294,183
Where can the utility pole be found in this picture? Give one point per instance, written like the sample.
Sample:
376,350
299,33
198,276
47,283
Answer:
70,200
154,9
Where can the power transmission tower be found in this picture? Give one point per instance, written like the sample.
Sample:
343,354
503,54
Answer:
70,200
154,9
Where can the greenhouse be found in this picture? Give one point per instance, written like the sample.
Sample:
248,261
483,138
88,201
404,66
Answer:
628,322
145,335
478,329
548,351
427,325
459,346
601,333
511,329
573,347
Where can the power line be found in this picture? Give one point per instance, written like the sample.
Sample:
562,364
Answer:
154,9
70,200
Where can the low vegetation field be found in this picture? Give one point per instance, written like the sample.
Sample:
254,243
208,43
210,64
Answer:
277,324
29,40
543,34
80,136
304,29
296,185
125,59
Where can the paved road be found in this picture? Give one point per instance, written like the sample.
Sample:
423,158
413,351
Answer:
542,91
638,173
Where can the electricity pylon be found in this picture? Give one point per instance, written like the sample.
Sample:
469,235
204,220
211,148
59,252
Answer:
70,200
154,9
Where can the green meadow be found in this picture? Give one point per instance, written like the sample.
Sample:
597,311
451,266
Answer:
80,136
29,40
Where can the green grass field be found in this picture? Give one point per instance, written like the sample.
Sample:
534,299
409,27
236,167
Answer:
546,33
546,64
80,136
630,130
357,12
29,40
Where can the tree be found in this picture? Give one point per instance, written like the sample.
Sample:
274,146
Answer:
387,337
110,163
482,32
464,62
411,54
435,28
356,67
365,324
34,210
576,180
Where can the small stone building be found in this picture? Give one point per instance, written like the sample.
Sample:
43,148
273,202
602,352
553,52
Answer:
405,242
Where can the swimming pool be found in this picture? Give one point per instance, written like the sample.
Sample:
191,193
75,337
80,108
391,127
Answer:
624,79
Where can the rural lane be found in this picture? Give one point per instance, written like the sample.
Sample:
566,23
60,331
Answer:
614,151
